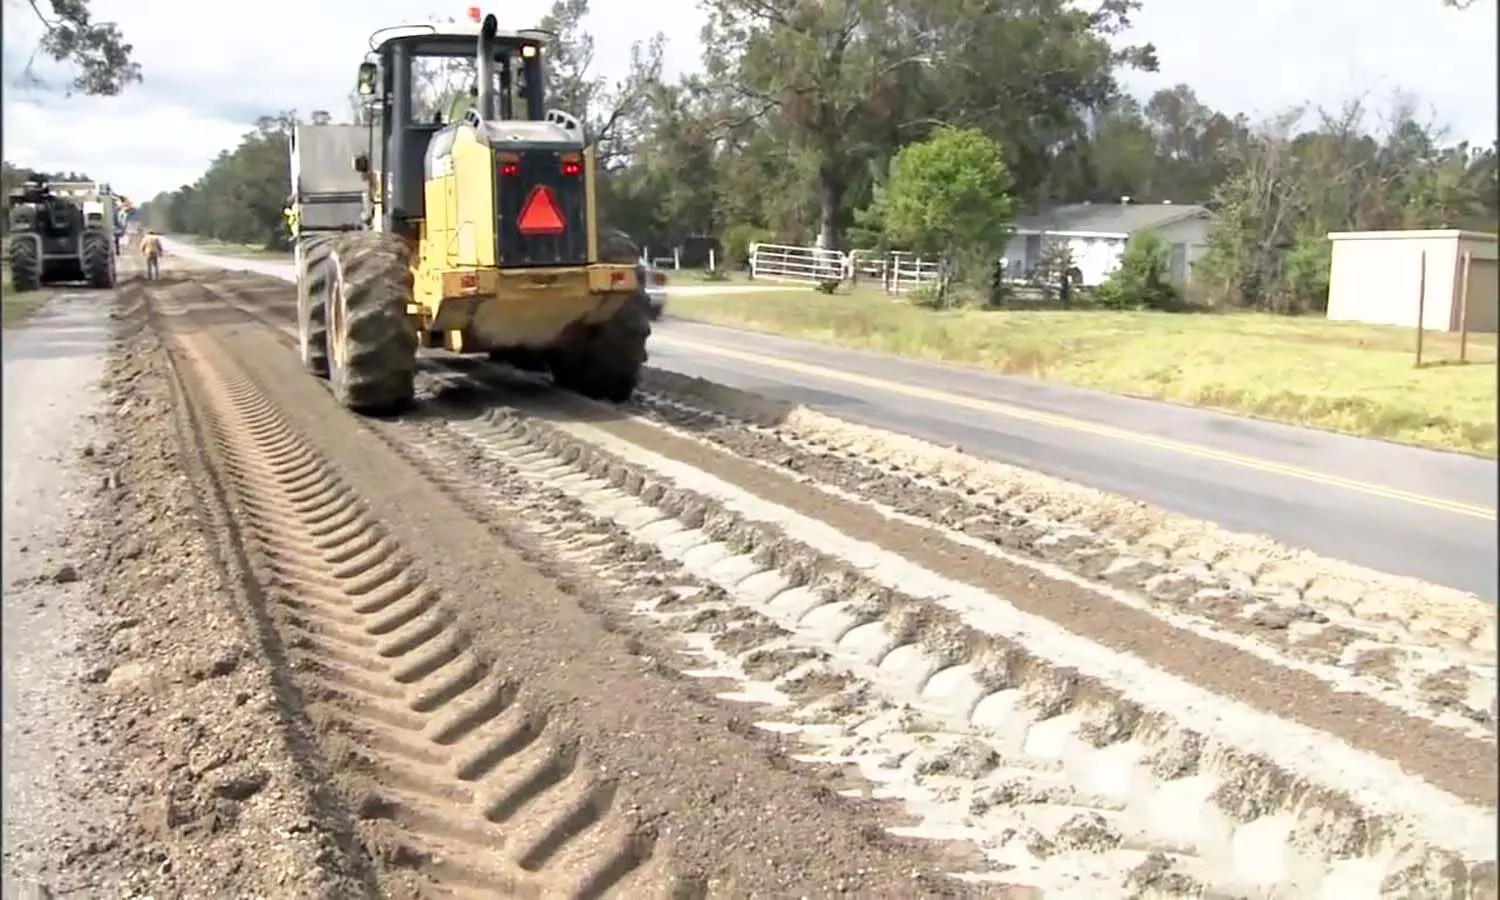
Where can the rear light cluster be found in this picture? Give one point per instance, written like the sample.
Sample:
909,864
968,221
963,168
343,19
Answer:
541,208
570,168
659,279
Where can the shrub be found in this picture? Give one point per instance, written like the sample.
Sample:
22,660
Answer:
1306,268
737,241
1143,279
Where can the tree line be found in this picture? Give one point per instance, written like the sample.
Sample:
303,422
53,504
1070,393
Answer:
851,122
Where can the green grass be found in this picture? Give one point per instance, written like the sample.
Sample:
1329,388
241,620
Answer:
1346,377
698,276
17,307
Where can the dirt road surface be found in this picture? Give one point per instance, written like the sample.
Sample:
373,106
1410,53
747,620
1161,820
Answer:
517,643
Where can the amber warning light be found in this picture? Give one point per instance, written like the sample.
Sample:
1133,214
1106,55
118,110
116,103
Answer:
539,214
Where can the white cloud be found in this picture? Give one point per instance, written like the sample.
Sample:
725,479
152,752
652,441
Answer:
209,76
1264,56
139,151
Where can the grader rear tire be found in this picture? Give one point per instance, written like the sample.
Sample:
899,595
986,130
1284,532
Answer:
25,265
372,348
98,258
313,273
607,365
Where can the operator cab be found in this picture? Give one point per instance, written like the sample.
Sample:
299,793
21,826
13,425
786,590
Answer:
428,80
426,86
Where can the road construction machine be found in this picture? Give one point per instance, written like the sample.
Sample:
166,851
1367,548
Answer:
60,232
467,226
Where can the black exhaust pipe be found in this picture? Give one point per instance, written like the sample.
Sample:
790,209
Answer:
484,67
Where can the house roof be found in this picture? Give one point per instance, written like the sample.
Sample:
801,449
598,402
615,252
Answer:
1107,218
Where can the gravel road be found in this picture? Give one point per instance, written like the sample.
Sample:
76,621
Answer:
518,643
54,367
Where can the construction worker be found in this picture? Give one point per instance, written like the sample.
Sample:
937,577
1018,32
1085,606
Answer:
151,250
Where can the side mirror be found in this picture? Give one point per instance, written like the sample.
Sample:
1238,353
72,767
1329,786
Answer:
362,164
367,75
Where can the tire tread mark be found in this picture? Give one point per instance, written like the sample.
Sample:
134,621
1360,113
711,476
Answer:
423,717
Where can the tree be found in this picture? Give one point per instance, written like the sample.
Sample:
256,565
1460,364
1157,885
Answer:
241,196
793,130
97,49
1287,189
830,70
1142,280
605,111
948,195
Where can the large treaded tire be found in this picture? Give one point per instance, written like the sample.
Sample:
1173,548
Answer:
314,271
375,374
98,258
25,265
607,365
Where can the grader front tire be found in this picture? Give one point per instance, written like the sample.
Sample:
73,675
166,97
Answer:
25,265
98,258
372,348
314,271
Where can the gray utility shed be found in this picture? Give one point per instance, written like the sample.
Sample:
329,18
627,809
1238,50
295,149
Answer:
1096,233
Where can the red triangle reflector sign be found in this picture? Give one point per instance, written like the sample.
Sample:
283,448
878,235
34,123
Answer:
539,214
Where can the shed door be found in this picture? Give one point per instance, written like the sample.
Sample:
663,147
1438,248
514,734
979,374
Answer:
1481,300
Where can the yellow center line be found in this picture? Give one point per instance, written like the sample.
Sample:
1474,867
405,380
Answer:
1090,428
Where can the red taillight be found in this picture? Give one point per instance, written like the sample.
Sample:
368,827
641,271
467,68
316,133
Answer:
572,169
510,170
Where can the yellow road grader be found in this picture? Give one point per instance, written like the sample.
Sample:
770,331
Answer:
470,228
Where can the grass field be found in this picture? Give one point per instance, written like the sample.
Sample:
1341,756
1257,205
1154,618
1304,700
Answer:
18,307
1357,379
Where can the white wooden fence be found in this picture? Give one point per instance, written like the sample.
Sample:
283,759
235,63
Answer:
674,261
808,265
897,272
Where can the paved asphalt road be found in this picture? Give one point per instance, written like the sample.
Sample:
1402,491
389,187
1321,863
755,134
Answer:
1397,509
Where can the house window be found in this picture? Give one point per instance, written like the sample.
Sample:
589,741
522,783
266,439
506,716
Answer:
1179,261
1033,250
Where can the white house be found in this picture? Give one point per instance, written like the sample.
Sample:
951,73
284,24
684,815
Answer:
1096,234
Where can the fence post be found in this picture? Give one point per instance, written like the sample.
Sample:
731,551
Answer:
1463,309
1421,306
676,259
753,246
711,258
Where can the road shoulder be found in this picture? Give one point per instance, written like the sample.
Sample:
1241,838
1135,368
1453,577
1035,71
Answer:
144,748
54,806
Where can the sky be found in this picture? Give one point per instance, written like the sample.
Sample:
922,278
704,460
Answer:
208,77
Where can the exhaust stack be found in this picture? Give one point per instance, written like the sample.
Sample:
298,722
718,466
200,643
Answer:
484,67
